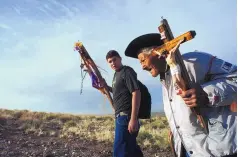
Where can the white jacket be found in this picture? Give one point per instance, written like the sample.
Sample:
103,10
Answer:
221,122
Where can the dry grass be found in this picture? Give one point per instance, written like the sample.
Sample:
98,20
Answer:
153,133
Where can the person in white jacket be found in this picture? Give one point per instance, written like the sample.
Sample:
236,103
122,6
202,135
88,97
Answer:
214,93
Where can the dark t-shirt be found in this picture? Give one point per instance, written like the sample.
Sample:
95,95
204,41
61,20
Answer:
124,83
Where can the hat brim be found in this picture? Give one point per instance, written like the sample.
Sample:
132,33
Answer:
146,40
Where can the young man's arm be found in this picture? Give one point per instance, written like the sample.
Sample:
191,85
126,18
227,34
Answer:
133,86
136,97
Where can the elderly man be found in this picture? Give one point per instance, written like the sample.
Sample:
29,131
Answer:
215,89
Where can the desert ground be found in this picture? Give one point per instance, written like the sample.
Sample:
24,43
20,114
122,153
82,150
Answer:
25,133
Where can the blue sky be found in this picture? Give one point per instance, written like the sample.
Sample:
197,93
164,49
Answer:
41,72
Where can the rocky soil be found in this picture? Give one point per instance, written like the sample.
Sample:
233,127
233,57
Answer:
15,142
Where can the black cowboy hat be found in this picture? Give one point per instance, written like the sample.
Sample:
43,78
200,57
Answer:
146,40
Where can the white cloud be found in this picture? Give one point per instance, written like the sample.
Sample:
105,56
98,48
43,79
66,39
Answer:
3,26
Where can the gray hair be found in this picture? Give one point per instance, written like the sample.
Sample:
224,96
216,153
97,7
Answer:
146,50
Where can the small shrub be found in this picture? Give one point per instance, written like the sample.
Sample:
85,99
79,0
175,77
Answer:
17,114
65,118
70,123
50,116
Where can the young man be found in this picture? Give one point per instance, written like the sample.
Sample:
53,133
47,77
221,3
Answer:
126,102
214,97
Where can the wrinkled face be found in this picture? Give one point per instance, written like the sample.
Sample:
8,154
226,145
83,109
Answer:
152,63
114,62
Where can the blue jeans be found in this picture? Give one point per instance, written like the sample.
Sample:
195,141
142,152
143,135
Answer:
125,144
187,155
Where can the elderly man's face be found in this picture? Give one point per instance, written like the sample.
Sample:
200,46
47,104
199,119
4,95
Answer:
152,63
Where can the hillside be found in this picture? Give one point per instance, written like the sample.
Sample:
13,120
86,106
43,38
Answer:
24,133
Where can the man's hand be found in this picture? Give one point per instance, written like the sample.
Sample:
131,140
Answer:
103,84
189,97
195,96
133,125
